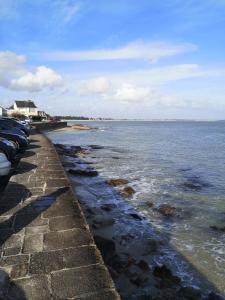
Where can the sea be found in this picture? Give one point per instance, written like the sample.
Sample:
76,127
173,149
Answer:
180,164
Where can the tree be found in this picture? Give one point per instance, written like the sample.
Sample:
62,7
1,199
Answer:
18,115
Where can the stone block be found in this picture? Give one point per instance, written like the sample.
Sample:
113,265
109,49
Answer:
66,222
65,239
33,243
74,282
46,262
35,288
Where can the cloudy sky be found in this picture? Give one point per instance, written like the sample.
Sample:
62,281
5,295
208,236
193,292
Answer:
116,58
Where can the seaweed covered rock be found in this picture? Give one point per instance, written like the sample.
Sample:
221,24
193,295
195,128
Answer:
128,191
117,182
166,277
83,172
166,210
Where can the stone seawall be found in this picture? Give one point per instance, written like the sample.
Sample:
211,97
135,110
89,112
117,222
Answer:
41,126
46,248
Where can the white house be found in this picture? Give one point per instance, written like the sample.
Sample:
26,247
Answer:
27,108
3,112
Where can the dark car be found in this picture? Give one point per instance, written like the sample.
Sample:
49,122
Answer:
8,148
20,140
12,122
5,125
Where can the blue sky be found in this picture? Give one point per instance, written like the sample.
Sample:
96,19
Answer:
115,58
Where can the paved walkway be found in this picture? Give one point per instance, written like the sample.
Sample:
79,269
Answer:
47,251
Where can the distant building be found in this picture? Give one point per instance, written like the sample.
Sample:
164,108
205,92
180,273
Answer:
3,112
43,115
27,108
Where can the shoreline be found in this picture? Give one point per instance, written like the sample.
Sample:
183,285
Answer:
131,272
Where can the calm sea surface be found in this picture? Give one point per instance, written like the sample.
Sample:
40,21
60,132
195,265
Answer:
181,164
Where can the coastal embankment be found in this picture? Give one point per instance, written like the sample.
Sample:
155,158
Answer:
47,250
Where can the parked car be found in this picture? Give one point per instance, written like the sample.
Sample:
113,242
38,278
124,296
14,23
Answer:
4,125
20,140
8,148
5,165
12,122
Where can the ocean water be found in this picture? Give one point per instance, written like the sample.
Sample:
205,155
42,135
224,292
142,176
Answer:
180,164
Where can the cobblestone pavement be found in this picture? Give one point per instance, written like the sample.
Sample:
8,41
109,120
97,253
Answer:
47,251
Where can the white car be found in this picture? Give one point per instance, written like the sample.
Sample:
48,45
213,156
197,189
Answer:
5,165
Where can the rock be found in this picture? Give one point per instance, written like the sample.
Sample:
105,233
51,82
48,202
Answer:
143,265
126,238
190,293
82,152
128,191
112,272
108,207
167,279
222,229
80,172
166,210
151,246
117,182
149,204
115,157
136,277
214,296
100,222
81,127
136,216
120,262
106,246
96,147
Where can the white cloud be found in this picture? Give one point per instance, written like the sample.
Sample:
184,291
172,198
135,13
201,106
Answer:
42,78
16,75
65,10
129,93
150,87
99,85
136,50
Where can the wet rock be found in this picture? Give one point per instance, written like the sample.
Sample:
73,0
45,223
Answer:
185,169
68,164
126,238
121,262
100,222
108,207
136,216
143,265
82,152
96,147
167,279
117,182
217,228
136,277
194,183
106,246
190,293
128,191
149,204
81,127
151,246
85,172
214,296
113,272
115,157
166,210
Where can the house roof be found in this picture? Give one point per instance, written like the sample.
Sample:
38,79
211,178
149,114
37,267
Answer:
23,104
